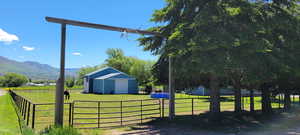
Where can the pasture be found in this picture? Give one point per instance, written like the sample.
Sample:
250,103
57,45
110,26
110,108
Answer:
117,110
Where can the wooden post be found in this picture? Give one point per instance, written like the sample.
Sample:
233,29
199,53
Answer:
22,106
28,114
59,102
70,114
121,104
171,92
73,106
25,109
279,100
159,108
33,116
98,114
242,104
192,106
141,111
163,107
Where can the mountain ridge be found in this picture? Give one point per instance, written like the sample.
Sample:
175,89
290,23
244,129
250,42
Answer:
32,69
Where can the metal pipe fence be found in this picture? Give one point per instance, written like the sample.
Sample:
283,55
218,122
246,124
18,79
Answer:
38,115
109,114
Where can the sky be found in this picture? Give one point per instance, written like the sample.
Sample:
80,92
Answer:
26,36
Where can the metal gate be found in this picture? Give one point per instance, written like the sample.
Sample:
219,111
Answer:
107,114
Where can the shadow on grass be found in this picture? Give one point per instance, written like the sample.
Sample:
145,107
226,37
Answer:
228,122
222,99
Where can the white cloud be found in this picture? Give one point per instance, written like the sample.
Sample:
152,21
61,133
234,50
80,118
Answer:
76,53
27,48
6,37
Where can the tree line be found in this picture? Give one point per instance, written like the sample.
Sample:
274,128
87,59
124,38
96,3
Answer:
13,80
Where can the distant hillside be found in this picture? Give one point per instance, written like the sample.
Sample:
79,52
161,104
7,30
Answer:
33,70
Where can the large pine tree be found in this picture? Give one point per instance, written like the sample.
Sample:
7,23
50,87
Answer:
240,40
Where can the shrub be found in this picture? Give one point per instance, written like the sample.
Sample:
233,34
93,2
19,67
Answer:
60,131
13,80
70,82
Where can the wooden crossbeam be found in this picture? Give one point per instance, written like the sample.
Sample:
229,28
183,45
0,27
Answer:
100,26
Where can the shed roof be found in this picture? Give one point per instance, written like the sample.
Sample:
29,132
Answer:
108,76
102,69
99,70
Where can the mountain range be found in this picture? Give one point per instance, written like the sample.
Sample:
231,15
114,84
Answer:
33,70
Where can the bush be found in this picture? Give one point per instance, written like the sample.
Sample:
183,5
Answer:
60,131
70,82
13,80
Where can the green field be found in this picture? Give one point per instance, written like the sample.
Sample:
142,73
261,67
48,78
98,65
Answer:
39,88
8,117
45,113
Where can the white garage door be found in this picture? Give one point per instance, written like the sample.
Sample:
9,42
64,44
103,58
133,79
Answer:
121,86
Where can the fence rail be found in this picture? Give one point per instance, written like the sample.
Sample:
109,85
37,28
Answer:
38,115
109,114
105,114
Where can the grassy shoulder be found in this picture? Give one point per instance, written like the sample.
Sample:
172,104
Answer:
8,117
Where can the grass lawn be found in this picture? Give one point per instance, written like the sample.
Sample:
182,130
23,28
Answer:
45,113
9,124
38,87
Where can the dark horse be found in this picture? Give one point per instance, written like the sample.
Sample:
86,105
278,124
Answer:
67,94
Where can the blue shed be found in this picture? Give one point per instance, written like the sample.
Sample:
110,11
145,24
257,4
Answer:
110,81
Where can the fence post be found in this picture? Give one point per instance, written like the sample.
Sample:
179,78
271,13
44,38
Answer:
33,115
73,107
21,108
70,116
18,105
159,108
193,106
25,108
242,102
121,104
163,107
28,113
98,114
279,100
141,111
